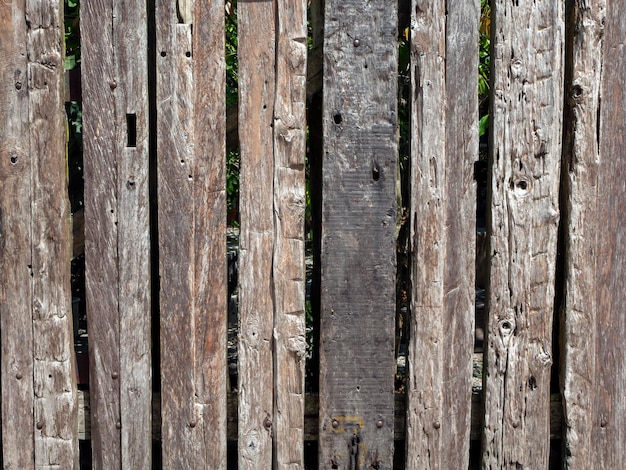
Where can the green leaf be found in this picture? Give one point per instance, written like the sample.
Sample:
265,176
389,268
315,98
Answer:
483,125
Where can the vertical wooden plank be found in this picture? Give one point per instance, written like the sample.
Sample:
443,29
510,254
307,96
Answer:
38,380
525,160
444,147
594,364
289,206
358,235
55,404
192,232
257,81
210,287
15,243
117,236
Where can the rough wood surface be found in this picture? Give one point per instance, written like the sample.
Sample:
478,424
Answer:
444,146
525,157
192,232
257,81
38,380
54,376
289,207
358,235
117,243
15,244
594,354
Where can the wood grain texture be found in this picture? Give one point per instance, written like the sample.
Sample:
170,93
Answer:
358,235
55,407
16,297
39,408
526,118
117,243
594,366
444,147
289,206
257,82
192,234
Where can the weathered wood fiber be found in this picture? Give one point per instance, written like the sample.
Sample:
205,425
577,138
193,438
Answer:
358,235
257,82
289,206
37,372
117,240
444,140
192,232
16,298
55,407
595,327
525,157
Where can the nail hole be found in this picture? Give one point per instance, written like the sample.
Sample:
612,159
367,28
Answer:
337,118
188,54
163,53
13,159
375,172
532,383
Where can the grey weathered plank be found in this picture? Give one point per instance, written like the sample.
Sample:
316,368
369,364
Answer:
15,244
594,355
192,232
444,146
117,244
257,81
526,121
358,235
39,406
55,406
289,206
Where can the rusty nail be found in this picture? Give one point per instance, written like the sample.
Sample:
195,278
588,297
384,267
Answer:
436,424
267,422
603,423
18,85
113,84
192,424
118,424
379,423
114,375
39,425
356,43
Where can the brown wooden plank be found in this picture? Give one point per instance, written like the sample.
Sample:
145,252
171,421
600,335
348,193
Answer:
358,235
192,232
523,224
16,370
257,81
55,407
594,352
115,110
211,380
289,206
444,146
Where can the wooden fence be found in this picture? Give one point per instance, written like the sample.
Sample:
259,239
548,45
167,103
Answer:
155,130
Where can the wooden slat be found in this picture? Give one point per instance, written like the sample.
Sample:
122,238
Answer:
289,206
55,407
15,244
595,326
192,232
358,235
257,79
117,244
444,146
526,121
